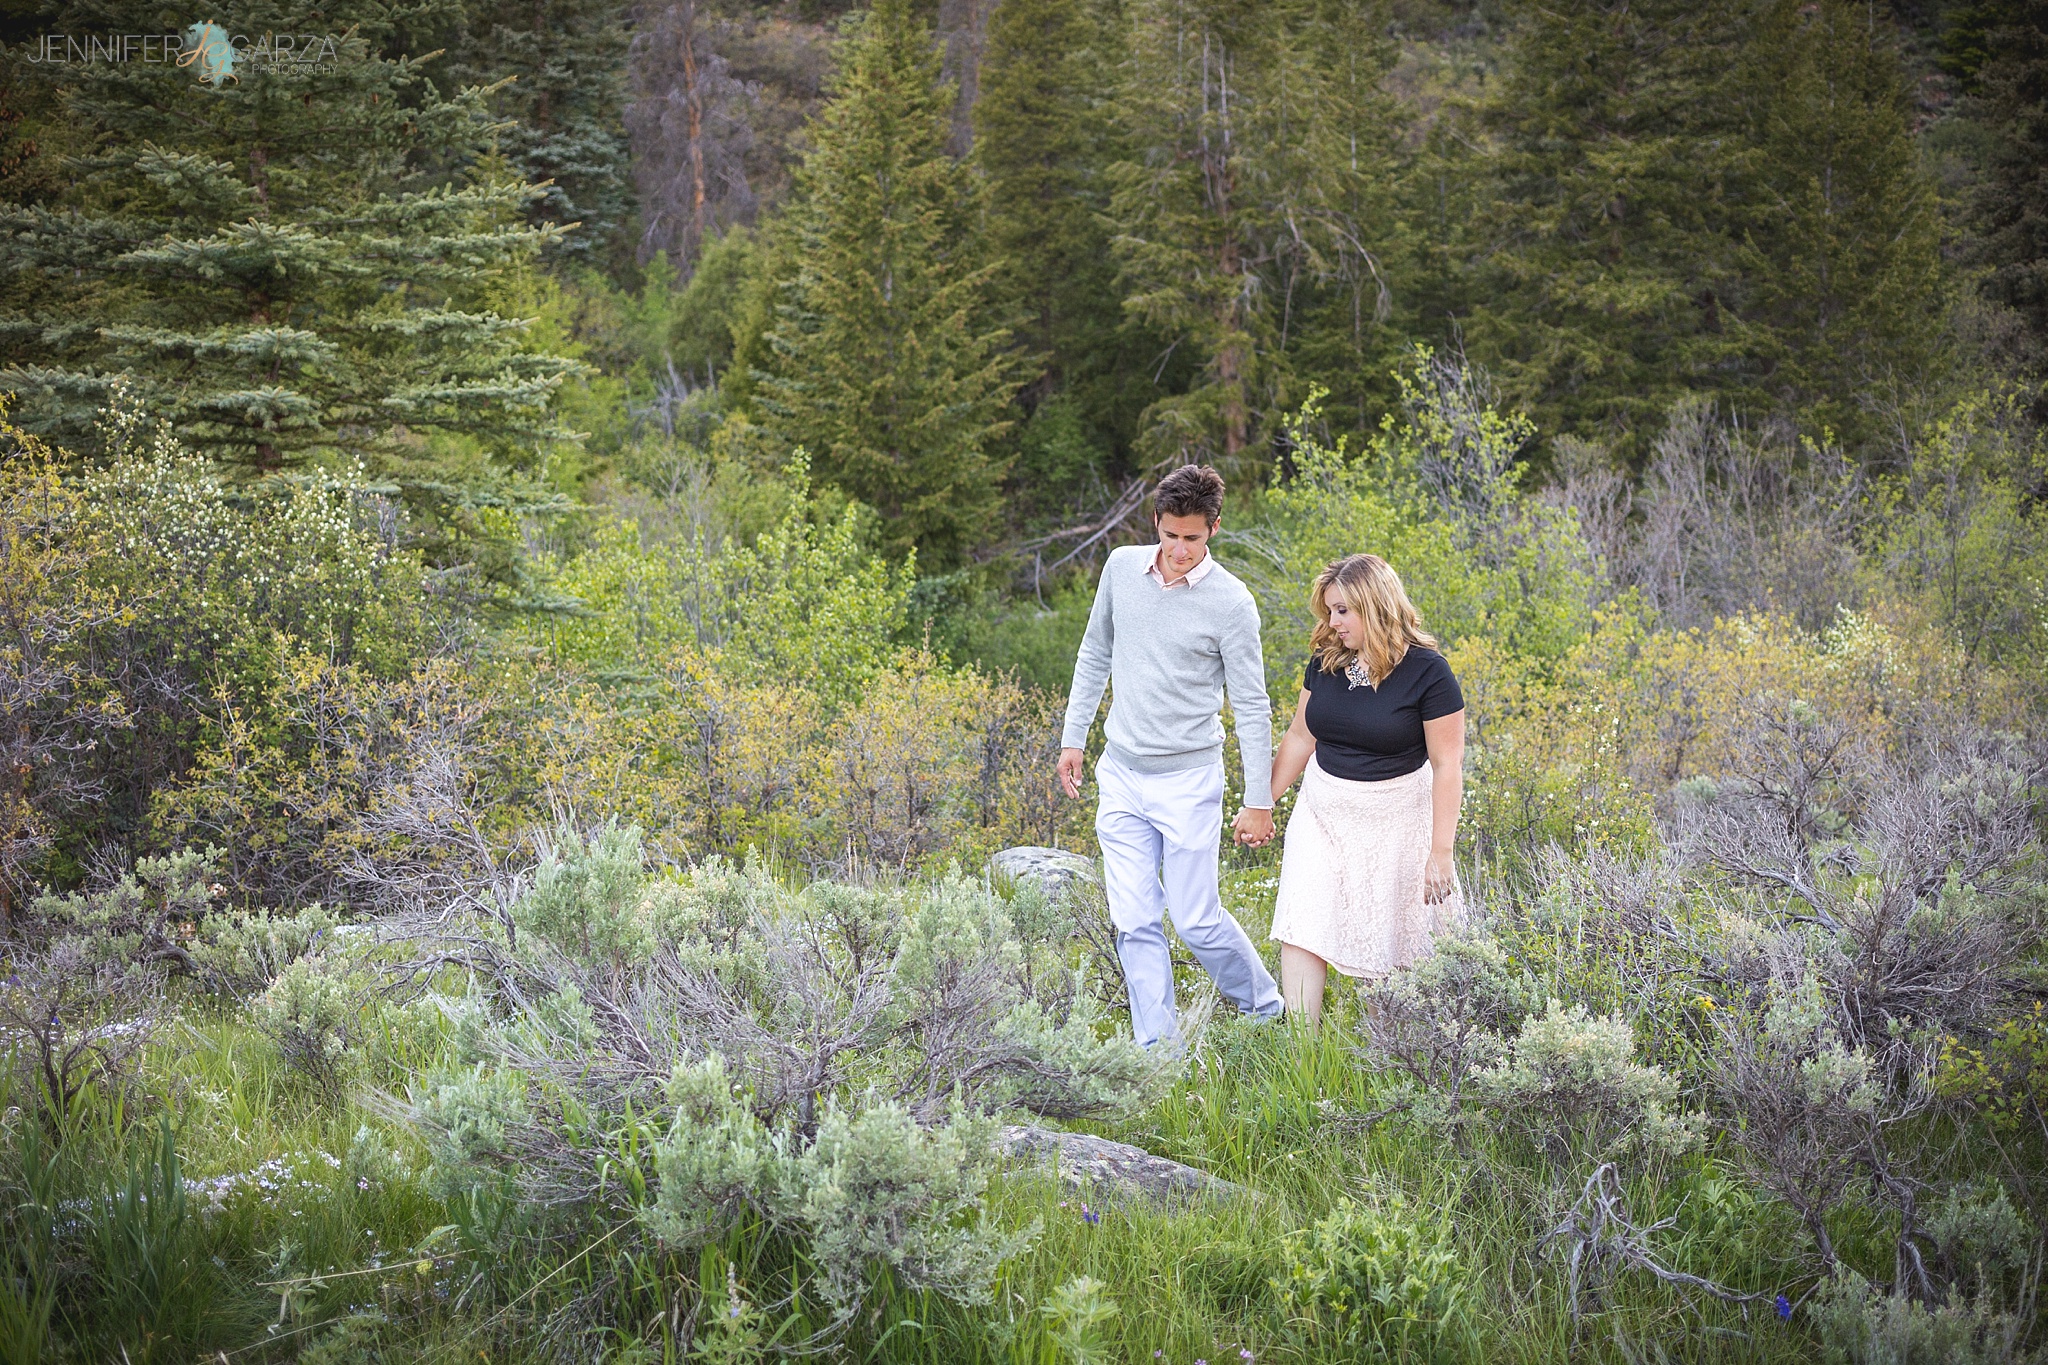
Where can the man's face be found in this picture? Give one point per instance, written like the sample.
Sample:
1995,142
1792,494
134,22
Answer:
1183,540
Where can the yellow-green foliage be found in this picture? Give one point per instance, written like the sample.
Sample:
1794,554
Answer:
924,762
1374,1275
804,603
1580,750
1499,565
2005,1076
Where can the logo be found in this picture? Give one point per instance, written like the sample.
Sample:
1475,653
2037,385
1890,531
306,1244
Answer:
208,45
215,54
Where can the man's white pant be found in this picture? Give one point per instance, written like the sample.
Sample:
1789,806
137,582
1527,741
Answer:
1159,835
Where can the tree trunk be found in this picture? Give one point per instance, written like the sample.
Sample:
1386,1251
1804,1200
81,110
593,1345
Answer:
693,103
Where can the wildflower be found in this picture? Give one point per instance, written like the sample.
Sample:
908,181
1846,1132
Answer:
1244,1353
1784,1308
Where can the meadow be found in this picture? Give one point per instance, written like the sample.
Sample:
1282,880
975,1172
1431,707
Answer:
542,548
630,982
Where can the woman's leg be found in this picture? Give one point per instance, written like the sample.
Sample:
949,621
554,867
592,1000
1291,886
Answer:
1302,975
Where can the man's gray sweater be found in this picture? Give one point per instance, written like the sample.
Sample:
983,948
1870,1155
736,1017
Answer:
1170,653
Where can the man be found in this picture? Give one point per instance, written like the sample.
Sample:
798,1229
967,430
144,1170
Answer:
1172,629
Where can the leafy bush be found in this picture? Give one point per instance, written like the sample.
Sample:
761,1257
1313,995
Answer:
1572,1085
312,1015
1809,1112
166,593
586,898
149,916
1461,1033
1858,1326
1437,1024
805,604
1436,495
714,1053
1371,1276
1985,1243
878,1190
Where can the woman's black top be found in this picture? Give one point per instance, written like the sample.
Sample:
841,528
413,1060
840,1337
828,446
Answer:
1369,734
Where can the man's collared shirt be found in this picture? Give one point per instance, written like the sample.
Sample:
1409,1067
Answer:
1186,580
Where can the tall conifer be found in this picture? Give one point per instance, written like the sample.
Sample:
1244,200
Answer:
1841,252
879,359
565,100
1262,159
1604,257
292,262
1042,137
2011,204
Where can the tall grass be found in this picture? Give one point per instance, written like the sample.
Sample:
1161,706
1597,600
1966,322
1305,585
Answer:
230,1206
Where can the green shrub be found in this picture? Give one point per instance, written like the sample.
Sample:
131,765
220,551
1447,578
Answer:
873,1191
1572,1085
1080,1314
314,1017
1373,1277
1858,1326
587,899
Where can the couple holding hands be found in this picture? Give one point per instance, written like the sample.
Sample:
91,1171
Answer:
1377,741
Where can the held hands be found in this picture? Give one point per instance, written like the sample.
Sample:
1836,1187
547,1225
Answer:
1070,772
1253,828
1439,878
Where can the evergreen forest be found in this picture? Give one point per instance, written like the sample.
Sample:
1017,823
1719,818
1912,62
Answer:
542,549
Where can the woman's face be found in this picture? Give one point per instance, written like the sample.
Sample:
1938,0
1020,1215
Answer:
1350,631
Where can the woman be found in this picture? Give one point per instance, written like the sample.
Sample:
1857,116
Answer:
1379,741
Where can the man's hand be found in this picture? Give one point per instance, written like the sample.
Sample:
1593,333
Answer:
1070,772
1253,828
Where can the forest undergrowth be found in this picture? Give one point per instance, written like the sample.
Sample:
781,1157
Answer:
624,980
540,551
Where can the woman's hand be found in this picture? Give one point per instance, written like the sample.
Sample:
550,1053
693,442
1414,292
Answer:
1439,878
1445,737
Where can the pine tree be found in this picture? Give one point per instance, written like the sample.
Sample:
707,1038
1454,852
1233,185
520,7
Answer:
292,263
565,100
1044,139
1841,254
2010,211
877,358
1041,131
1263,168
1603,258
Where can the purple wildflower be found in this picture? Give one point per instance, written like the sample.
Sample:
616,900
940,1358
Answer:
1784,1308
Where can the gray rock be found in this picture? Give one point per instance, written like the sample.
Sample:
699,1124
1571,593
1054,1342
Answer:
1115,1168
1053,869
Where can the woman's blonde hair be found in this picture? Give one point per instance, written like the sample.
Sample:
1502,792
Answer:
1373,591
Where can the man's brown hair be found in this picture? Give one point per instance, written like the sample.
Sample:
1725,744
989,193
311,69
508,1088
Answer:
1191,489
